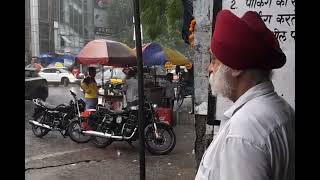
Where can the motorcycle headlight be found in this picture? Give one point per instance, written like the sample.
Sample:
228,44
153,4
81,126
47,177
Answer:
119,119
154,105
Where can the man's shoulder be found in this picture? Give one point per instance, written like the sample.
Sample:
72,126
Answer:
258,118
132,81
267,106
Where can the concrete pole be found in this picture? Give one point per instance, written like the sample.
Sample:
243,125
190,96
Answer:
51,25
202,11
34,21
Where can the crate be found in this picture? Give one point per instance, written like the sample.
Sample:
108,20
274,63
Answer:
164,114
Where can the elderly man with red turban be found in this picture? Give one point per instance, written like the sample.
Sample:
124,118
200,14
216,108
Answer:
257,141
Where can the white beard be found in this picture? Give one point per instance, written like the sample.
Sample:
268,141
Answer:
219,83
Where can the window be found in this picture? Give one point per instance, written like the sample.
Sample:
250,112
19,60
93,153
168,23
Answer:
50,70
62,42
56,10
63,70
44,45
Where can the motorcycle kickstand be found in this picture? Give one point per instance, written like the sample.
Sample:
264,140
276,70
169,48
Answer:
63,134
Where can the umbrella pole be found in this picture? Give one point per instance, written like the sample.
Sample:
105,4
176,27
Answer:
102,74
155,75
140,89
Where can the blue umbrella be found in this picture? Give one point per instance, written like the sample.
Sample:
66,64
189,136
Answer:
47,58
153,54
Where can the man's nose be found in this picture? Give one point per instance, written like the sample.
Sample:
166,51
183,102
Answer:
209,70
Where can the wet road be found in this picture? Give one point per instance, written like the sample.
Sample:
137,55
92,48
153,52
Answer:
54,157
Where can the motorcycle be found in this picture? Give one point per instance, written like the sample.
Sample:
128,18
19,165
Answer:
47,117
107,126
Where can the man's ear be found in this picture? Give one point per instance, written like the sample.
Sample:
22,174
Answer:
236,73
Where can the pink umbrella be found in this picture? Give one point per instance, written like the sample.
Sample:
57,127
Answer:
106,52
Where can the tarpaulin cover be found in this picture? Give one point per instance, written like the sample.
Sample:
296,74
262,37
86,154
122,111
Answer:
153,54
47,58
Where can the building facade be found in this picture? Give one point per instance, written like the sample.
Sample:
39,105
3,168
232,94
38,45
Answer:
65,26
57,26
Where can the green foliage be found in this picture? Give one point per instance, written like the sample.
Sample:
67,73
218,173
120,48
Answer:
120,15
162,23
161,18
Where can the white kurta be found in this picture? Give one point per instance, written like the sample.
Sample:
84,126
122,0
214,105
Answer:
131,88
257,142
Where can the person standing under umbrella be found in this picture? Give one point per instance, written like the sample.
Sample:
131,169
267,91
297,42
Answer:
131,87
90,89
169,93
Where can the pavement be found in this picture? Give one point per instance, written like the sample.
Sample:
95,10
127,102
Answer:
56,158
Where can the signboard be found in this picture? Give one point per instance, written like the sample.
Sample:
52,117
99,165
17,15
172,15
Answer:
103,31
279,17
102,19
102,3
67,62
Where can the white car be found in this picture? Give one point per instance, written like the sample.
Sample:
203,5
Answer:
58,75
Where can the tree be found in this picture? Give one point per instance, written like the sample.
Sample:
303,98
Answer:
119,19
162,23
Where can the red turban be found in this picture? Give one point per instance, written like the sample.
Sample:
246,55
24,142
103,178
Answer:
245,43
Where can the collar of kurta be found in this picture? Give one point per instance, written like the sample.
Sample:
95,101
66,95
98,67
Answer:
254,92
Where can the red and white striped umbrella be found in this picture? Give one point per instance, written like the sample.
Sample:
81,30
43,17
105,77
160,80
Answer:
106,52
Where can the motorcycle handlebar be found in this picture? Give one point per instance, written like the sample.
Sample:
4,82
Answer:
72,93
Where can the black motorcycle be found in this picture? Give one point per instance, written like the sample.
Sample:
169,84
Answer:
108,126
114,89
47,117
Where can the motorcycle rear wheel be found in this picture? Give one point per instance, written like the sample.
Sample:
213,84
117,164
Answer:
37,130
74,131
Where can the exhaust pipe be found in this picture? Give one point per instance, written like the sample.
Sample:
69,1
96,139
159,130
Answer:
100,134
106,135
36,123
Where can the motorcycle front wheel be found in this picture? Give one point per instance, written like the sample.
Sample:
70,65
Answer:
75,134
37,130
162,145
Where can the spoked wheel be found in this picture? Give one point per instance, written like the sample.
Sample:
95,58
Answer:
164,144
180,97
101,142
37,130
65,82
74,131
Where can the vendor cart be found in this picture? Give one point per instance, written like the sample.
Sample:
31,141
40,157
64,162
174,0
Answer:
107,53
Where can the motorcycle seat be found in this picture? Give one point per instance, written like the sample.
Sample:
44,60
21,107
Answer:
116,112
107,110
46,105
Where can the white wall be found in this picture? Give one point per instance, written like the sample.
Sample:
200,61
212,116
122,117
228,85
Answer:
284,78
